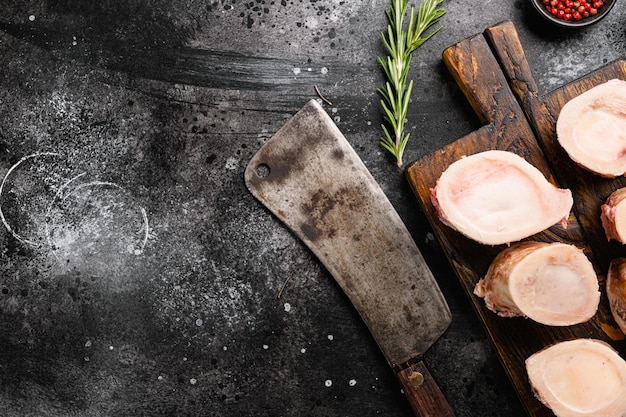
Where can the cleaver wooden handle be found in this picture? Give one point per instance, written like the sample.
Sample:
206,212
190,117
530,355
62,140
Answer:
421,390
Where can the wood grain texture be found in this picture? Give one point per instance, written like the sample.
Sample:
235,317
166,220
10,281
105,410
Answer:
422,391
493,73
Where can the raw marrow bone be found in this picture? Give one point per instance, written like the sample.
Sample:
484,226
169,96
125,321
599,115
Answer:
579,378
616,291
592,129
550,283
497,197
613,216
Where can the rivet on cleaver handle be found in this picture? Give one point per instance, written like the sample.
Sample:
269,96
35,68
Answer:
309,176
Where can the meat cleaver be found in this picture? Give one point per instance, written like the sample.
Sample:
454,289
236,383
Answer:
309,176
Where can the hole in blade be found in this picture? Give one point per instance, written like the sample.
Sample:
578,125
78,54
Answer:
263,170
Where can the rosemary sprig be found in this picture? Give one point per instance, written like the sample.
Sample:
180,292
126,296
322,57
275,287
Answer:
400,44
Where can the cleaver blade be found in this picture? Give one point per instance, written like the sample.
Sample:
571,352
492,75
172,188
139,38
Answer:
309,176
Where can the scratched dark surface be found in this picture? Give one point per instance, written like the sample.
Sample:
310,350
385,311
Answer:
139,277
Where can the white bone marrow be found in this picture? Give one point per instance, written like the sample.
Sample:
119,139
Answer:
613,216
591,128
551,283
579,378
497,197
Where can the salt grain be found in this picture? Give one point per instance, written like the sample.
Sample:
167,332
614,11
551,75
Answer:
331,337
31,17
352,382
232,163
328,383
287,307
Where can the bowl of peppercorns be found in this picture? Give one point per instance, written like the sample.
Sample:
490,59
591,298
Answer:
573,13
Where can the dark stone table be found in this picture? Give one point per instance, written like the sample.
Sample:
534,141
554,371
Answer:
139,277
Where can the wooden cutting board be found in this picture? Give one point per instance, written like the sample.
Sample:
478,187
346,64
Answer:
496,78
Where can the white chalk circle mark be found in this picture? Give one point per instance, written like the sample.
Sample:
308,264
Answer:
30,184
95,226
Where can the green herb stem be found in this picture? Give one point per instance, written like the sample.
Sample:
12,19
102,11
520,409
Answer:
400,44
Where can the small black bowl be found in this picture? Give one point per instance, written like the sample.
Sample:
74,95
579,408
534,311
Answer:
586,21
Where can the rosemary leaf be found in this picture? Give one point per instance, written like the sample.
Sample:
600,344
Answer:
400,42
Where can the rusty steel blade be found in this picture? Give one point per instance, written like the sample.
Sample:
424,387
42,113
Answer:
310,177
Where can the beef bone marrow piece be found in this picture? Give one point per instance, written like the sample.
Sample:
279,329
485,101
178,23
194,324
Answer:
591,128
613,215
551,283
579,378
496,197
616,291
